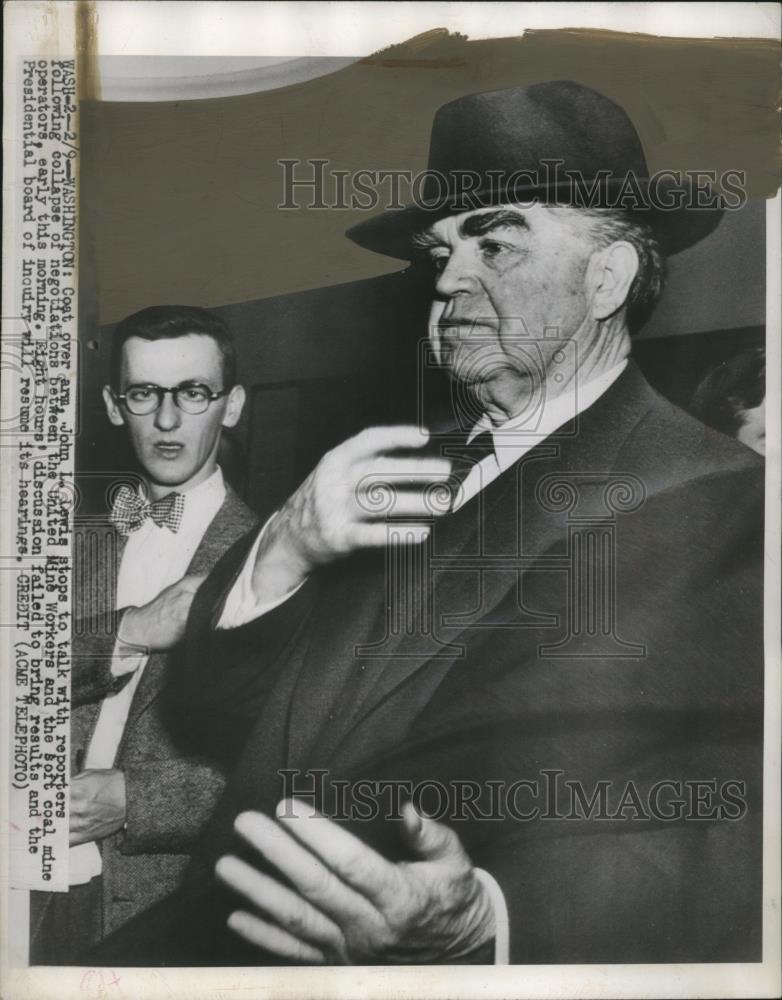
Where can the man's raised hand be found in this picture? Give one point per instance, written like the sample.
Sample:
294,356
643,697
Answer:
349,502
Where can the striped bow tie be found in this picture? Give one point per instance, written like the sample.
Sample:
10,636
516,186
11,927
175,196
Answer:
130,511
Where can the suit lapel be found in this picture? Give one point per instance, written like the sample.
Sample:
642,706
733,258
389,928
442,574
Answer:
230,522
460,590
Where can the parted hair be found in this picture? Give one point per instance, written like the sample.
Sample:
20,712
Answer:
167,323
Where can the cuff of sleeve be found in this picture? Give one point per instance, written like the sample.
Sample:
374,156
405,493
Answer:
501,919
241,605
125,660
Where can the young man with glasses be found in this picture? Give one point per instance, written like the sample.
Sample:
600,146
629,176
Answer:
138,795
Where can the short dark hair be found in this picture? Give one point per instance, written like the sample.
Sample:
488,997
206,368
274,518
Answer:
729,389
167,323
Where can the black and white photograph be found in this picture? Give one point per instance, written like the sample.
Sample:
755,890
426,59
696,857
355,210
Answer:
390,500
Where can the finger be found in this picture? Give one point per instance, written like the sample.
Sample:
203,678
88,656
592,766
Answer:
273,939
379,534
421,470
308,873
379,439
356,864
387,501
432,841
288,909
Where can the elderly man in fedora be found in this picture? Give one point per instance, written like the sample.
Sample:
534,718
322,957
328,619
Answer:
525,724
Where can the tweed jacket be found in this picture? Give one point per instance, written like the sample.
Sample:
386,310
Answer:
171,789
509,669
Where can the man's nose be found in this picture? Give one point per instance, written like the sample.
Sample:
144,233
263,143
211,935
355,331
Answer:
168,415
457,276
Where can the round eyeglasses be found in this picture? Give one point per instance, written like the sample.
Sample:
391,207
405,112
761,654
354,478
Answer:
190,397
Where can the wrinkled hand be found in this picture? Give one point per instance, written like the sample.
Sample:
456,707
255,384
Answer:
347,904
160,624
345,503
97,805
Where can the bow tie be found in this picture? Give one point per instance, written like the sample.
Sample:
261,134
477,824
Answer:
130,511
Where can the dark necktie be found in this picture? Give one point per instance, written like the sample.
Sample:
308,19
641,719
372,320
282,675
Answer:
467,457
130,511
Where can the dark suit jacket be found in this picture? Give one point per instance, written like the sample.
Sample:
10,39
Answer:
597,619
171,790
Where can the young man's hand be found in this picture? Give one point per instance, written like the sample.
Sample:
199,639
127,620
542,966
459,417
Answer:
160,624
98,805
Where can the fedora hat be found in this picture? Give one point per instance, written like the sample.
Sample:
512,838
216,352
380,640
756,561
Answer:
557,143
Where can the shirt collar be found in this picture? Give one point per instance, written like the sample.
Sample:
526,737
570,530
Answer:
518,434
211,485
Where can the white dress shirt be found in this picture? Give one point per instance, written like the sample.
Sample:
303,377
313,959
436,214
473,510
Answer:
512,439
153,558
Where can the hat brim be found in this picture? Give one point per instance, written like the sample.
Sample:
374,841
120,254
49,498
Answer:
391,232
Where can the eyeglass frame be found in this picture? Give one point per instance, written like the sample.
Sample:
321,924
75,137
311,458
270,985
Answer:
161,391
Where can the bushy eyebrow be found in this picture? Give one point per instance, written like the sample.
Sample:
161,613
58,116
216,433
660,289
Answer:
425,241
475,225
479,225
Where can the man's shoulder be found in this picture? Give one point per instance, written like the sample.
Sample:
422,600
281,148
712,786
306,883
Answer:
673,448
233,519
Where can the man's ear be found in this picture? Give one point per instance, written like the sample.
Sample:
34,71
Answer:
112,410
613,272
233,409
